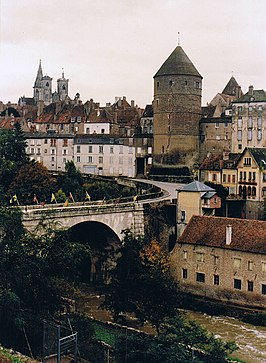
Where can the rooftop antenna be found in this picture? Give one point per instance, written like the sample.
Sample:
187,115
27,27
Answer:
63,75
178,39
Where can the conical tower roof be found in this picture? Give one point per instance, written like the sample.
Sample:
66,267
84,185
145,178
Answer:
39,76
178,63
232,88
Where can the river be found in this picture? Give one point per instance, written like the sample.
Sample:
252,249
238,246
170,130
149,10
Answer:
250,339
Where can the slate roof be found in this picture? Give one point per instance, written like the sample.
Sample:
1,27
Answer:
232,87
212,162
178,63
256,96
258,153
148,112
196,186
247,235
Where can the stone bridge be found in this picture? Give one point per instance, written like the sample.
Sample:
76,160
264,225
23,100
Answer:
117,216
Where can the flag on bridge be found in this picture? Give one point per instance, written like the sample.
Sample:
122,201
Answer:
35,199
14,199
87,196
53,198
71,197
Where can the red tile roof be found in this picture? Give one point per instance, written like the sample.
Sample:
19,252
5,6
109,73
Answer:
247,235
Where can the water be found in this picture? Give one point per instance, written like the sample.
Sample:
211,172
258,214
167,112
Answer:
250,339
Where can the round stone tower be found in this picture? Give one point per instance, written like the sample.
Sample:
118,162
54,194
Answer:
177,110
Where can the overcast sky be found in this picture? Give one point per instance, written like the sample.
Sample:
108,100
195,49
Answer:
112,48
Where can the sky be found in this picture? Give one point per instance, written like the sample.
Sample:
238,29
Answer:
113,48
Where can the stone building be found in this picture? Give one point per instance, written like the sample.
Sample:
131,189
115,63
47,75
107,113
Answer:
177,109
249,121
215,124
223,259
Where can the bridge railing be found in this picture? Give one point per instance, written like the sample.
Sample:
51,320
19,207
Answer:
96,203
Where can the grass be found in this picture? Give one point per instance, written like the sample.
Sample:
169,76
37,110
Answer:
106,334
8,357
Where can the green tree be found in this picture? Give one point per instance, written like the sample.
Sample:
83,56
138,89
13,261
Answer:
71,181
136,281
179,341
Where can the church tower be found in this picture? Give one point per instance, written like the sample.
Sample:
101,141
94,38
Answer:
42,89
37,88
62,87
177,110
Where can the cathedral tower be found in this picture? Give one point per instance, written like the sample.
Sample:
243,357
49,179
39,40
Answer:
62,87
177,110
37,88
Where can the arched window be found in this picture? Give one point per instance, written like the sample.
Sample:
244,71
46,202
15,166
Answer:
253,191
244,194
47,84
240,191
64,87
249,190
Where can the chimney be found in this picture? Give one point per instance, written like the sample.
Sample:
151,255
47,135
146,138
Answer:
132,103
250,90
228,236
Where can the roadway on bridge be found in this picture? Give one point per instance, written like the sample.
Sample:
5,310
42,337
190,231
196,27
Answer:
170,189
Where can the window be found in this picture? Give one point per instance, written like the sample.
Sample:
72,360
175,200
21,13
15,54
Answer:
250,122
45,141
100,159
250,109
250,265
32,150
185,83
53,151
184,255
239,109
250,286
233,178
170,83
215,260
45,151
224,178
239,123
239,135
130,150
200,257
90,149
237,284
247,161
102,131
241,175
263,266
101,149
218,137
111,160
111,149
65,142
259,135
120,160
52,158
78,159
78,149
237,262
158,84
197,84
214,177
245,175
263,289
259,122
157,102
64,151
239,146
200,277
184,273
87,130
121,149
250,135
249,176
183,215
216,279
217,125
229,178
90,159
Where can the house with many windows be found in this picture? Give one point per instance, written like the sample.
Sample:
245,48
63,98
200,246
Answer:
223,259
248,121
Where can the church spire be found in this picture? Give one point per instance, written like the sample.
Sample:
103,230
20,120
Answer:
39,76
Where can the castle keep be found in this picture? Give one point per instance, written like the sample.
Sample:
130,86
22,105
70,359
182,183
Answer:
177,110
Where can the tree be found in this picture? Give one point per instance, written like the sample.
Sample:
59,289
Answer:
32,179
72,181
179,341
136,281
31,268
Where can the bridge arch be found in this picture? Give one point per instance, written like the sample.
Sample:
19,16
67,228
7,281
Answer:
104,245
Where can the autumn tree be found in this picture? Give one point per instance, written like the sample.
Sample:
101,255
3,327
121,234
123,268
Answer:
32,179
136,281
